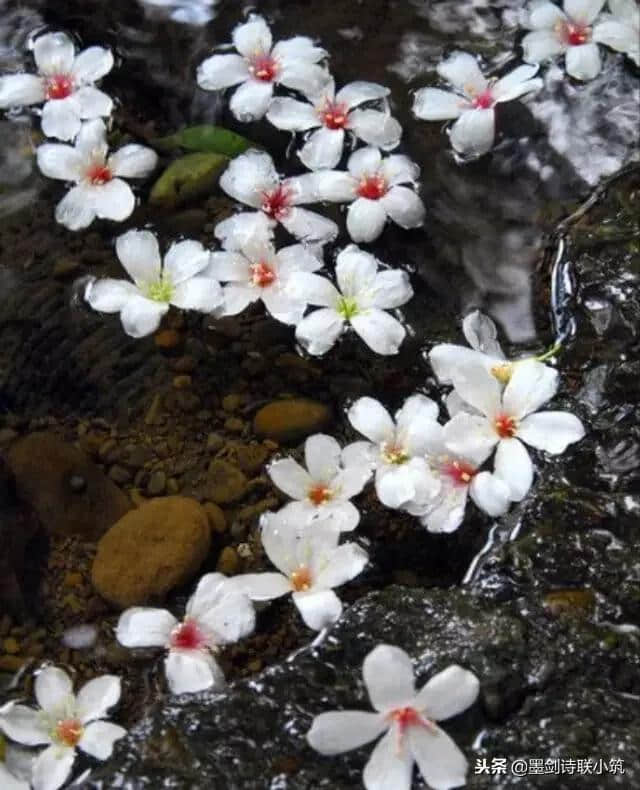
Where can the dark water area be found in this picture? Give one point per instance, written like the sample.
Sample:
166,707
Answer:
543,235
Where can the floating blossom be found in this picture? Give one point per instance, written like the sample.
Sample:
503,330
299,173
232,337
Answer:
253,270
373,187
473,104
9,779
397,450
365,293
567,33
408,720
179,281
216,615
311,564
332,114
252,179
65,82
64,723
99,191
620,29
325,487
259,66
506,420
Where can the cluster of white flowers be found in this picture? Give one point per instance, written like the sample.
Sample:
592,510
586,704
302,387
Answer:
574,33
73,110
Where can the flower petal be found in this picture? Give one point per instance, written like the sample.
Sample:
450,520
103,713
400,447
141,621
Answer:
481,334
439,760
184,260
447,358
448,693
92,139
199,293
364,161
342,516
228,267
189,671
414,423
447,512
322,457
307,78
474,132
54,53
583,11
470,436
319,609
222,71
397,486
335,186
434,104
516,83
323,149
388,675
371,419
92,64
144,626
611,32
355,271
389,766
309,226
540,45
545,15
60,161
209,591
133,161
341,731
376,128
97,696
113,200
93,102
319,330
490,493
583,62
391,288
290,477
282,307
252,37
358,92
353,477
52,767
76,211
140,316
366,219
380,331
462,71
531,385
248,177
139,253
298,48
231,618
342,565
250,100
18,90
52,689
513,465
479,388
261,586
98,739
9,782
236,297
312,289
404,207
292,115
24,725
298,257
551,431
399,169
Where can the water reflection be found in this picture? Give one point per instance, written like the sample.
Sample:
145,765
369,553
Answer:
186,12
17,180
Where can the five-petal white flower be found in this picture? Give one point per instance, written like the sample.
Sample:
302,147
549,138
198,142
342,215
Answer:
365,293
372,184
473,105
620,29
253,269
260,65
325,487
569,32
65,82
311,564
64,722
507,419
332,114
397,450
99,190
179,281
216,614
407,719
251,178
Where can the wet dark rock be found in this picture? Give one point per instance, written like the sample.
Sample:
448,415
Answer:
225,482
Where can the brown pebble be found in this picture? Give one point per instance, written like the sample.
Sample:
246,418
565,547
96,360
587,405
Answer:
157,483
72,579
216,517
11,645
234,424
167,338
232,402
12,663
214,442
228,561
291,420
182,382
119,474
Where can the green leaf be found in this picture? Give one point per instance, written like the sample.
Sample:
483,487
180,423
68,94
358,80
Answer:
187,178
212,139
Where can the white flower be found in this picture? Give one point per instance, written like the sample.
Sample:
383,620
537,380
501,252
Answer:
216,614
365,293
100,190
10,778
397,450
311,564
332,114
620,29
407,719
64,722
567,33
253,269
325,487
373,187
473,105
64,82
260,66
179,281
507,419
252,179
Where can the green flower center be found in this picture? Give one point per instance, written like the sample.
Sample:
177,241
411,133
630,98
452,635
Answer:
160,291
348,307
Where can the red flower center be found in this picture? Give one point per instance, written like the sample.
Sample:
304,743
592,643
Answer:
276,203
262,274
301,579
574,34
484,100
68,731
188,636
264,68
409,717
319,494
505,426
460,472
372,187
334,115
59,86
99,174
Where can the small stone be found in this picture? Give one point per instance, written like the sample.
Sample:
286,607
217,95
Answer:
72,579
167,338
119,474
106,449
250,457
186,364
225,482
157,483
228,561
232,403
182,382
578,603
7,435
154,413
173,486
12,663
215,514
65,266
214,442
291,420
11,645
234,425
